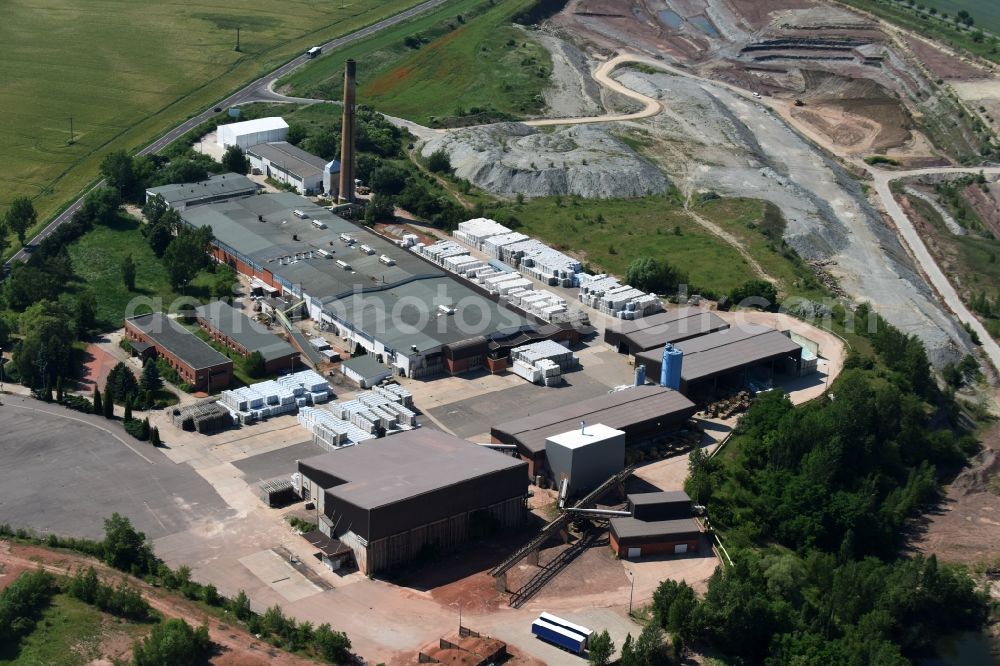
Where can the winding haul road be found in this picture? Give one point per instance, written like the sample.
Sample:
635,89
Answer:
255,91
937,278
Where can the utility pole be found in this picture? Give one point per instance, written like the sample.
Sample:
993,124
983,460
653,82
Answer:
237,39
72,136
630,590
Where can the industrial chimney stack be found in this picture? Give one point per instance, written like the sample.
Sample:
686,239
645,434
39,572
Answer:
347,135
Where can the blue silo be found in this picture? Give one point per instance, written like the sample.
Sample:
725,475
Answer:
670,368
640,375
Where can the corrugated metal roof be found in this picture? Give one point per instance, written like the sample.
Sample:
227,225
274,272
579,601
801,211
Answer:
366,366
615,410
727,351
290,158
215,186
235,325
694,323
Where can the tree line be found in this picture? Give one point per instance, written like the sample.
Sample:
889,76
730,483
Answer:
126,549
815,503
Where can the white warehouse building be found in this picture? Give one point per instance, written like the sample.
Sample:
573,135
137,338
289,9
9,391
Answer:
252,132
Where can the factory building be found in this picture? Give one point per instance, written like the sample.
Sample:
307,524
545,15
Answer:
288,164
395,305
661,523
734,356
252,132
411,492
643,413
365,371
652,332
157,335
216,189
230,327
585,458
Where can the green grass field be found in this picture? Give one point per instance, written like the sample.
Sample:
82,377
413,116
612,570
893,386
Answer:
97,259
128,70
609,234
69,633
985,12
479,62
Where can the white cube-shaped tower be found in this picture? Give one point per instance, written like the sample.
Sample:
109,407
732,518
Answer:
587,457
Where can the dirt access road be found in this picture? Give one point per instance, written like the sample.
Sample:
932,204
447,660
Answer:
933,272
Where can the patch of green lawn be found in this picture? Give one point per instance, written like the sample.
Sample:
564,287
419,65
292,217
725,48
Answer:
742,218
68,634
97,258
608,234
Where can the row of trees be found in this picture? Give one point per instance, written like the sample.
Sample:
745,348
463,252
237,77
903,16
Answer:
127,549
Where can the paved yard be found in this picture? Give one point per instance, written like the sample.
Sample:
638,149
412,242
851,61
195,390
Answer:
65,472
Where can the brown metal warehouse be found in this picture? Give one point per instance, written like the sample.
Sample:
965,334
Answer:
730,354
652,332
642,412
418,491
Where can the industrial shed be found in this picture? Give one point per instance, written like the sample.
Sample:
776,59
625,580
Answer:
252,132
365,371
215,189
391,499
663,505
653,331
237,331
642,412
289,164
731,356
631,538
326,263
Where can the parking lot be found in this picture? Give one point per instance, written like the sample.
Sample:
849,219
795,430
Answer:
65,472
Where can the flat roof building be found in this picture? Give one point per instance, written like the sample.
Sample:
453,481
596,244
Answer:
218,188
655,330
193,359
390,499
403,313
632,538
365,370
730,355
585,457
642,412
240,333
289,164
